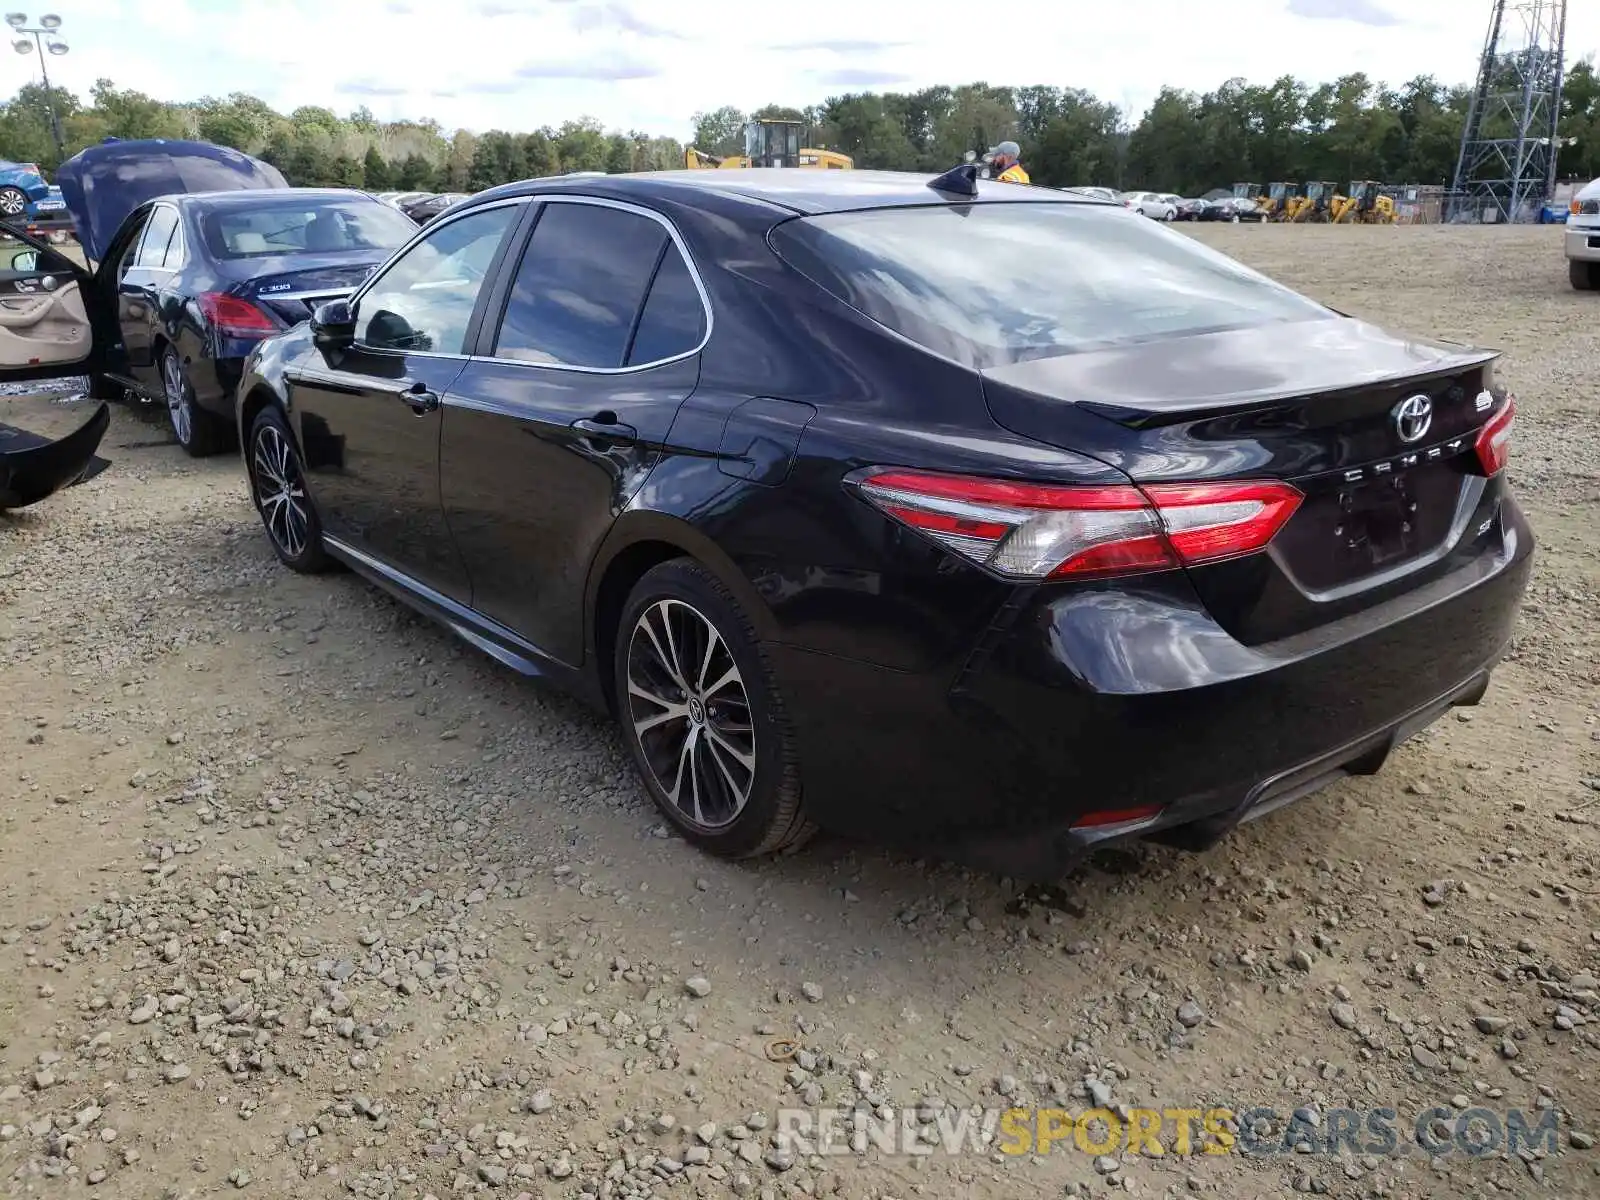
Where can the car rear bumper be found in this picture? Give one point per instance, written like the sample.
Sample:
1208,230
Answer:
1108,700
49,222
1582,242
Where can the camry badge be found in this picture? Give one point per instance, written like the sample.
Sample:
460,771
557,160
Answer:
1412,417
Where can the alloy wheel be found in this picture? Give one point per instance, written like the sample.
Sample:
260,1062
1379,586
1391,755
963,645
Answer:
280,491
690,710
12,202
177,390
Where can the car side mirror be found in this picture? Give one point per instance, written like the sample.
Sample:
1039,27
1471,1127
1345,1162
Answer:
333,324
25,261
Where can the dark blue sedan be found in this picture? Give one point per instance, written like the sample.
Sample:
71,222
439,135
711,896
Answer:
196,253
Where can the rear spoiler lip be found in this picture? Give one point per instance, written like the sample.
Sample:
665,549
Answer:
1134,417
1258,368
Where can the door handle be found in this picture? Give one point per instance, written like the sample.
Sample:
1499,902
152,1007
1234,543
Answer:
605,425
420,400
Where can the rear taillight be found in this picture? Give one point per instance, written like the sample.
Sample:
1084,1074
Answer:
1052,531
234,316
1493,447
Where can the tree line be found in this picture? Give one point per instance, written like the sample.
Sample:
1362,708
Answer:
1187,142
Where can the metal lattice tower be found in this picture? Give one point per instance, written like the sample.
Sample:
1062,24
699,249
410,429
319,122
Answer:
1507,165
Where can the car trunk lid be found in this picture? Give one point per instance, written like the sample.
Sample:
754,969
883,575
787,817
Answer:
291,286
1327,405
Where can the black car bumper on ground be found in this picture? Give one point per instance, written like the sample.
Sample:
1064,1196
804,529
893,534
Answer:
1087,715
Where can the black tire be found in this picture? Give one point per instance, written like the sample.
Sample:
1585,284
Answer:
767,816
13,203
272,459
1583,275
197,430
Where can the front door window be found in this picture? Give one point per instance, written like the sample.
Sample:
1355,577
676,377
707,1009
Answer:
424,301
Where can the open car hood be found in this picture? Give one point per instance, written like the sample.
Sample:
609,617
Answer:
103,184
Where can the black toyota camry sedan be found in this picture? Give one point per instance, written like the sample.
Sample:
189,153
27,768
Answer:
984,520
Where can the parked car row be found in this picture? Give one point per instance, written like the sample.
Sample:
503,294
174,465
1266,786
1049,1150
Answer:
974,517
1166,206
422,207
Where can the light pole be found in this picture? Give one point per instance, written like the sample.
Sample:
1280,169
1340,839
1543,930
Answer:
44,39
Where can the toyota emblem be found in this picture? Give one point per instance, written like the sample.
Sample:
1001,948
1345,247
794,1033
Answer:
1412,418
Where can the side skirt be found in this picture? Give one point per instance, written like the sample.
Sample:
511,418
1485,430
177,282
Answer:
489,636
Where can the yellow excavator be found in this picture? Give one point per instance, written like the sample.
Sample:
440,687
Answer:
771,143
1366,205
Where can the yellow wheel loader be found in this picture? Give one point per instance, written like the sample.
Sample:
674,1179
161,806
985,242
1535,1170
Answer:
1366,205
1285,200
1319,202
771,143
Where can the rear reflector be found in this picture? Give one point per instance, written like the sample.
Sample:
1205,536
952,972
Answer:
235,316
1047,531
1494,439
1117,816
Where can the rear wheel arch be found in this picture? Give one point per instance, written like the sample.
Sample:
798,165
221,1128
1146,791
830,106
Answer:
255,400
639,542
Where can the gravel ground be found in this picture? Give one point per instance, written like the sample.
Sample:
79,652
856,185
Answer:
301,897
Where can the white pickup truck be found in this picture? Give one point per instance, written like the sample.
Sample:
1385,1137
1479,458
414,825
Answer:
1583,238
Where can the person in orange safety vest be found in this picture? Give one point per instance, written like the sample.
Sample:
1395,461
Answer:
1004,161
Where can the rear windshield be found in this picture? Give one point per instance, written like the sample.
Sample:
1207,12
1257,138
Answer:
303,227
990,284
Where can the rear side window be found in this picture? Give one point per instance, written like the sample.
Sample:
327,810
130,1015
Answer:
674,319
157,236
580,285
990,284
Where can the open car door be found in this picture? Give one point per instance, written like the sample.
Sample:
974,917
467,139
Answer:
53,324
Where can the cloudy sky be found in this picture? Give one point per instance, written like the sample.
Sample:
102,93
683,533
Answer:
518,64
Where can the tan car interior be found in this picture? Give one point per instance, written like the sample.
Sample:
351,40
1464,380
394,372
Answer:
43,326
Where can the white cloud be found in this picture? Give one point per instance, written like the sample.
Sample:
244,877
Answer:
522,63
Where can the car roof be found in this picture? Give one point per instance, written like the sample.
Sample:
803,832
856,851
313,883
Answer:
797,190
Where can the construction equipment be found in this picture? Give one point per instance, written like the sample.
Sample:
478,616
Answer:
1256,193
1319,203
772,142
1284,200
1366,204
